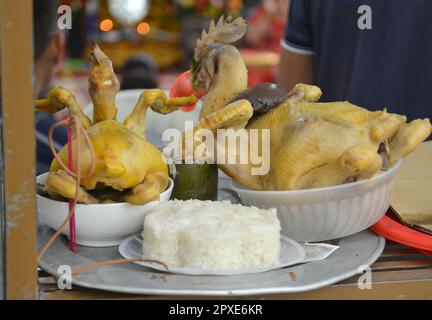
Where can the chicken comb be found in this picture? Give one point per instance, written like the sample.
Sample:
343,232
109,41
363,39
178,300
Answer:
224,31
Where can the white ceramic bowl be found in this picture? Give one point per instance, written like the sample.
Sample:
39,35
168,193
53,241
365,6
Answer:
326,213
97,225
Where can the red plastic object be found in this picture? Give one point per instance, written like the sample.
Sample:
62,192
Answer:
182,87
397,232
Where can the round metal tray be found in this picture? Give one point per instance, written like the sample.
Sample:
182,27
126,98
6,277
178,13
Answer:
356,251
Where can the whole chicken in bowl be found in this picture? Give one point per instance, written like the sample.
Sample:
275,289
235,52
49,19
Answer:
122,174
126,165
316,148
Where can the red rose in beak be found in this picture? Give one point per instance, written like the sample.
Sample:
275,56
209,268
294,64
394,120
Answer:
182,87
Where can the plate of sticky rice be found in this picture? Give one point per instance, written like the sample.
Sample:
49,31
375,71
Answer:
211,238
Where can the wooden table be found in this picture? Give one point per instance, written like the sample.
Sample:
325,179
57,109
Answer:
400,272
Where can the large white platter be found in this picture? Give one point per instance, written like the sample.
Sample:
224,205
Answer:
355,253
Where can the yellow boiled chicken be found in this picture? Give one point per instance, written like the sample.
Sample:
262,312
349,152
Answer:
312,144
126,165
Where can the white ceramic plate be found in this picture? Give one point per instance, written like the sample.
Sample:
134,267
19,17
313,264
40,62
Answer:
291,253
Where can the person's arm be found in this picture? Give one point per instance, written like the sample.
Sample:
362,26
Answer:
295,68
297,56
44,155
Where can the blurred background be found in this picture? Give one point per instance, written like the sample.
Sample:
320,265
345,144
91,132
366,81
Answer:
150,42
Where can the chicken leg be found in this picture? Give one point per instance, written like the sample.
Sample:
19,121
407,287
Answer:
304,92
61,183
408,137
356,163
150,190
157,100
233,116
60,98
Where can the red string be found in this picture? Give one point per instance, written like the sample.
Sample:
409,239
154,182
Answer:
72,228
71,121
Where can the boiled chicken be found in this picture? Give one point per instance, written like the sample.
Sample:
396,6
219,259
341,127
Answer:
124,160
312,144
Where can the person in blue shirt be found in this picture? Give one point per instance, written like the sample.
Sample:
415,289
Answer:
48,47
372,53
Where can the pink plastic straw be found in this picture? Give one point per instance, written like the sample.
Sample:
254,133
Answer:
72,229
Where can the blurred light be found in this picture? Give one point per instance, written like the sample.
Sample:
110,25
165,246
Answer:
106,25
143,28
129,12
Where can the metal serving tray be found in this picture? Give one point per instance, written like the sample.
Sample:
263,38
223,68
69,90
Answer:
355,251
